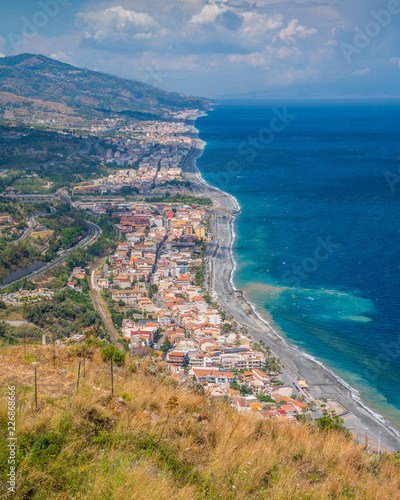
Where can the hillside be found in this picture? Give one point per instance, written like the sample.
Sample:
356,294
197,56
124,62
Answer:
155,440
34,83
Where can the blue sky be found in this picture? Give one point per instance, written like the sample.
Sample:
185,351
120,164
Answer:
280,48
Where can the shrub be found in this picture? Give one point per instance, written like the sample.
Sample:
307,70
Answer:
117,355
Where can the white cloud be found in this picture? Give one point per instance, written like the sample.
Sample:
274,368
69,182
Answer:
361,72
253,59
258,24
209,13
2,55
66,57
115,23
2,43
295,29
395,60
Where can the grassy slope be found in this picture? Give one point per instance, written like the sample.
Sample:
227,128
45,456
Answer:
92,445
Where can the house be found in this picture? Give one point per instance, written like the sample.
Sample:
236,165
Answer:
207,375
122,281
261,376
103,283
299,405
177,358
164,319
146,305
5,219
128,296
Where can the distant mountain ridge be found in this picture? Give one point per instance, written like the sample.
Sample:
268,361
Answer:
38,83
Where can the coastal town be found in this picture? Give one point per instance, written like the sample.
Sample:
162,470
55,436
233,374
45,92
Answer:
162,286
198,250
149,158
157,271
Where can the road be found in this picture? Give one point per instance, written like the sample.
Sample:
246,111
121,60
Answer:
32,224
93,234
63,195
86,148
101,308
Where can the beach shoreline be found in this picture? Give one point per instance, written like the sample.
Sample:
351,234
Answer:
297,364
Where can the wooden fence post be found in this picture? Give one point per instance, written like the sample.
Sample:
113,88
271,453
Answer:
112,377
79,373
35,388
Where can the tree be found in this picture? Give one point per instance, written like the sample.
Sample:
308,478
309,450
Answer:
166,345
265,398
332,423
245,390
111,350
3,329
77,258
121,303
128,190
152,290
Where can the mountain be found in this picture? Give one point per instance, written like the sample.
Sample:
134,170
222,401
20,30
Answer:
35,84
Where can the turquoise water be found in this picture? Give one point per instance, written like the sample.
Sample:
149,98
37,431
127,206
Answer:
318,236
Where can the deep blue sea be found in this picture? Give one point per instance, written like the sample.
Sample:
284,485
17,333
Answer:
318,237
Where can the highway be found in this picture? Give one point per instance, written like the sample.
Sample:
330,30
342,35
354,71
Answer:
93,234
63,195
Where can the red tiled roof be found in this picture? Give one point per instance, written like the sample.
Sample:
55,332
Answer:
299,404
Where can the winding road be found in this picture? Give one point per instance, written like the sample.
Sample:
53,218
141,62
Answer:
32,224
93,234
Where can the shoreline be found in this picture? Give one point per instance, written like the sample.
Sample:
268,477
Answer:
322,381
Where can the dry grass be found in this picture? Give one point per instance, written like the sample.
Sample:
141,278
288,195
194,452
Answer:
93,445
43,235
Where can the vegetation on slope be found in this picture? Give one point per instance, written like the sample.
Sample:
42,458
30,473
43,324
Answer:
180,198
81,91
16,256
154,439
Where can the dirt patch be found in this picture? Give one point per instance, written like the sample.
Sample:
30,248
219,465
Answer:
44,235
43,281
50,381
10,315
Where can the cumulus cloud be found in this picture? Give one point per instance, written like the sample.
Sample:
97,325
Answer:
209,13
254,22
2,55
116,23
198,42
295,29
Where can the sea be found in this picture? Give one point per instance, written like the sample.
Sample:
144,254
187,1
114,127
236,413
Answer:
317,245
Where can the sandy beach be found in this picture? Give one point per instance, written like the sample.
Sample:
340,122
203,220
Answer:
296,364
